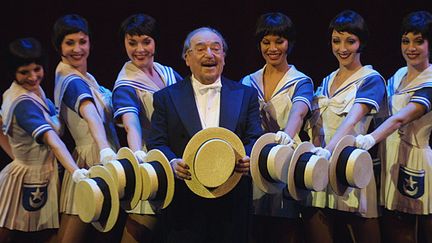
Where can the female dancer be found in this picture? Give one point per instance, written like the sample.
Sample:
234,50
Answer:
285,95
406,186
85,106
132,99
29,184
344,104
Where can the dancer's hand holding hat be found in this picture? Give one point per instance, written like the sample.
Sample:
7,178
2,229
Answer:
79,175
106,155
283,138
365,142
140,155
322,152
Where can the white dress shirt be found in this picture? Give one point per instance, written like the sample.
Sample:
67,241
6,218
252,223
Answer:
207,99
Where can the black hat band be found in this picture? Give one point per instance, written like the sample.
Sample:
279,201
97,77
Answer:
342,163
130,179
106,205
300,169
162,180
262,161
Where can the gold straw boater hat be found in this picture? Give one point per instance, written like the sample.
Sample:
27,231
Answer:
97,199
157,179
126,174
307,172
211,155
269,164
349,166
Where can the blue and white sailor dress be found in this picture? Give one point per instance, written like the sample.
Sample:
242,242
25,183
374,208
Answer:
366,86
293,87
406,175
29,184
133,92
71,88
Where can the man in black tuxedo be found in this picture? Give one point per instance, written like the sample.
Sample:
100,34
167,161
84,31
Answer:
205,99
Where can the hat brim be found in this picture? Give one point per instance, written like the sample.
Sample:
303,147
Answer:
258,179
189,158
157,155
296,192
336,186
83,199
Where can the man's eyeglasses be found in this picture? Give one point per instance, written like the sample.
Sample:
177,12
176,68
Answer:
201,49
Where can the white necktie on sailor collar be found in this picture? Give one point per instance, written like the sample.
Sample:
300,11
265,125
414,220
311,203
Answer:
202,89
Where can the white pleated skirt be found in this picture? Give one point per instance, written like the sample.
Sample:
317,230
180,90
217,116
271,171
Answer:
29,199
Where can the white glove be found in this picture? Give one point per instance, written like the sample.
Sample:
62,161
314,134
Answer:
322,152
106,155
79,175
283,138
365,142
140,155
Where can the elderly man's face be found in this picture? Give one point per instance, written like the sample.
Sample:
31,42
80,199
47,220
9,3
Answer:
206,56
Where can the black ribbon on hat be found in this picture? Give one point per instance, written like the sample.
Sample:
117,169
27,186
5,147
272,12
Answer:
262,161
106,205
162,180
130,178
300,169
342,163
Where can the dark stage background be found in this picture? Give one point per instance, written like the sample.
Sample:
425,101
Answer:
235,19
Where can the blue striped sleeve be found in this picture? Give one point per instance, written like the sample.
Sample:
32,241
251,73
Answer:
30,117
125,100
371,92
76,92
304,92
423,96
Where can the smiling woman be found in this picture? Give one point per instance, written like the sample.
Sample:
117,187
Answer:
75,49
406,181
345,47
140,49
415,50
342,105
274,49
85,106
285,95
132,100
28,184
30,76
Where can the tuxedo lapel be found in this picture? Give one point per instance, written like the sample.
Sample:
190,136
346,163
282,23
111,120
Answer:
230,105
184,102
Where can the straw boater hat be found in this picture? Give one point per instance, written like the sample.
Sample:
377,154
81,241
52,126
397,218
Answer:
349,166
269,164
125,171
307,172
157,179
97,199
211,155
